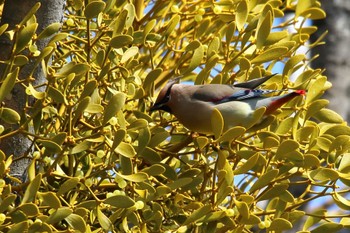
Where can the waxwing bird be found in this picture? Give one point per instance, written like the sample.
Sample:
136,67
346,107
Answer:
193,105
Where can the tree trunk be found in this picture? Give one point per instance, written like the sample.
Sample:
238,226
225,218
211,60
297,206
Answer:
334,55
14,11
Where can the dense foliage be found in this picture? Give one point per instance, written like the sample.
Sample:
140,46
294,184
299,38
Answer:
100,160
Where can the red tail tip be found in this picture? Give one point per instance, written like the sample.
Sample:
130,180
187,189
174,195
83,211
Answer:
300,92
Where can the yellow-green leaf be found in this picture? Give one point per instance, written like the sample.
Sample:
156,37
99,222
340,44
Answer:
76,222
8,84
217,123
125,149
280,224
120,201
241,14
50,145
105,222
137,177
197,214
263,30
9,116
94,8
129,53
50,199
231,134
49,30
68,185
264,180
115,104
270,54
328,116
120,41
323,174
249,164
24,36
32,189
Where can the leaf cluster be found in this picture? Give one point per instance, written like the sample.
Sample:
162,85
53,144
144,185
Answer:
101,161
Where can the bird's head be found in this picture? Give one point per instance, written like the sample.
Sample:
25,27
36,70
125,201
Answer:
164,97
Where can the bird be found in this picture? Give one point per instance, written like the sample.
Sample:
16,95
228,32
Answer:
193,105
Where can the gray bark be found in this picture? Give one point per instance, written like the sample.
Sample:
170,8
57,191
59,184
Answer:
334,55
14,11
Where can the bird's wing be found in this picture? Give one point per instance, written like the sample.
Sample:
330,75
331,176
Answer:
254,83
244,94
218,94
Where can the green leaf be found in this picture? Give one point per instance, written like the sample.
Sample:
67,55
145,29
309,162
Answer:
68,185
76,222
32,189
82,146
56,95
6,202
120,201
315,106
106,224
280,224
197,214
38,95
8,84
114,105
231,134
19,227
120,41
311,161
323,174
314,13
150,78
137,177
3,28
328,227
292,62
24,37
125,149
50,199
243,209
248,165
72,67
179,183
341,201
20,60
217,123
151,156
242,14
328,116
49,30
338,130
316,89
310,221
275,191
154,170
89,88
196,59
129,53
286,147
93,9
29,209
58,215
9,116
264,180
172,24
263,30
270,54
50,145
344,165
